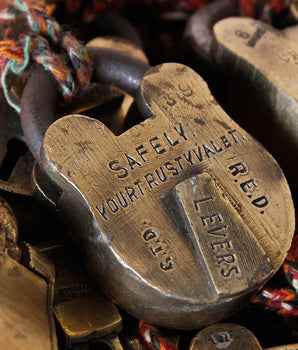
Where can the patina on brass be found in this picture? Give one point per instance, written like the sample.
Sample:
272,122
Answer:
230,336
26,320
170,214
269,60
225,336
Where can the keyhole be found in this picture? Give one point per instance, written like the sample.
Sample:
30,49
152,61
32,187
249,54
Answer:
15,150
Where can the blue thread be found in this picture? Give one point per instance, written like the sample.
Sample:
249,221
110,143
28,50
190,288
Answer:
14,105
21,6
51,32
15,66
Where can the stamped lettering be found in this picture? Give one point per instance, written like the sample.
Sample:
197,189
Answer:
158,249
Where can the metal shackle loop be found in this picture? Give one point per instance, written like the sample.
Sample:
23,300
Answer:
198,33
40,96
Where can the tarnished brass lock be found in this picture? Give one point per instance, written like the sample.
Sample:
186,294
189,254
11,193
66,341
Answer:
26,291
83,313
181,217
230,336
268,58
264,93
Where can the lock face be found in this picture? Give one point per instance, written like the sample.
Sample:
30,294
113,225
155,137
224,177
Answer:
181,217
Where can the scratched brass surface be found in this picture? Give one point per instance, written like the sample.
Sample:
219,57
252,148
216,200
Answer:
171,260
225,336
268,58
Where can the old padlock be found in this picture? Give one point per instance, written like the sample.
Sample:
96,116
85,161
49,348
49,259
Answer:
179,218
250,46
230,336
225,336
83,313
263,62
26,291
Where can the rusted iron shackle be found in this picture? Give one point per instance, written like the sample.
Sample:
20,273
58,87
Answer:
40,96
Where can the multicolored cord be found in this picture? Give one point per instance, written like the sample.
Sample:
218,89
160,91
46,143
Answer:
40,47
153,339
284,300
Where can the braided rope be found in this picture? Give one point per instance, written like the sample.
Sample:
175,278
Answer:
284,300
17,56
153,339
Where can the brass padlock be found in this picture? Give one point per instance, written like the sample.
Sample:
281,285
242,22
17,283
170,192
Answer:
267,57
264,94
83,313
26,291
230,336
178,218
225,336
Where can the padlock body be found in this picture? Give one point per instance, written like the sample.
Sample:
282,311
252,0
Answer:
181,217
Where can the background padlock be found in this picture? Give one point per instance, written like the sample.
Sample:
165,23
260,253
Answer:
178,199
232,337
82,312
26,291
263,94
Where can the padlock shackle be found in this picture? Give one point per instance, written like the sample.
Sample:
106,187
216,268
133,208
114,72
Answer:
112,23
40,97
198,33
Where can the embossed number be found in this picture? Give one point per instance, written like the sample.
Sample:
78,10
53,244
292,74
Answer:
187,91
242,34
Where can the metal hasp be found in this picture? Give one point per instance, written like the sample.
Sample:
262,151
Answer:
181,217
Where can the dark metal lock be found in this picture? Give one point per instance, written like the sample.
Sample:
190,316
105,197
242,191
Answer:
181,217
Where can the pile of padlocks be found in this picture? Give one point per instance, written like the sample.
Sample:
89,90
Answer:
140,207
